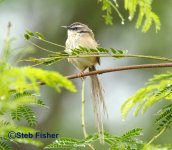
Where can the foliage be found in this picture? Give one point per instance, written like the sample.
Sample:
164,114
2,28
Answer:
23,78
119,143
6,136
155,147
108,6
79,52
158,88
19,93
4,146
126,141
164,119
54,57
21,87
145,14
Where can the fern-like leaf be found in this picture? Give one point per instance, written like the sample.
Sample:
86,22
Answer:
158,88
29,115
65,143
4,123
26,98
4,146
17,114
23,78
126,141
164,119
25,112
79,52
146,16
108,6
116,142
156,147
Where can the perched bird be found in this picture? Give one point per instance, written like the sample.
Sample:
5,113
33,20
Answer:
80,35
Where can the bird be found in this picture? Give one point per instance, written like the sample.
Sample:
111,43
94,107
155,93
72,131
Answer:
80,35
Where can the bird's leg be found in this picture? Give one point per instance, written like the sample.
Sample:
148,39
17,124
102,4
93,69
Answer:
81,74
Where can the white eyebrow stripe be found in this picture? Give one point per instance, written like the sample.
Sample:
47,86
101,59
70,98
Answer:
76,26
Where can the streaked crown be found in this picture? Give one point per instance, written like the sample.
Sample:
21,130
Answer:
78,27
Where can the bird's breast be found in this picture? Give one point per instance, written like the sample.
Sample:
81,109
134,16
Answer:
83,41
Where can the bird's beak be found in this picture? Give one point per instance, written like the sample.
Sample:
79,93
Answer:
66,27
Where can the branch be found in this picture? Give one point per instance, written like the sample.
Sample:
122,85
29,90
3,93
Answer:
132,67
143,66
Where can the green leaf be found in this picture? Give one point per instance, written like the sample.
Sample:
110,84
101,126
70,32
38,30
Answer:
30,33
3,123
108,19
40,36
101,49
17,114
4,146
29,141
126,141
65,143
145,17
156,147
27,113
132,133
108,6
158,88
23,78
26,36
164,118
72,143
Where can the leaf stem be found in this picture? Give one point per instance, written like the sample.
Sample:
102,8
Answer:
149,57
156,136
48,42
115,55
116,9
62,56
41,47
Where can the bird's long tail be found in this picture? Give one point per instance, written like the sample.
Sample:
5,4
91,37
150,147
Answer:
98,103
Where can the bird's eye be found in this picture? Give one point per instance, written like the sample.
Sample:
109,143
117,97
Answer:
75,28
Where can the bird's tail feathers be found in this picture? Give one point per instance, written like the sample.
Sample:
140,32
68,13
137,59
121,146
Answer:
98,102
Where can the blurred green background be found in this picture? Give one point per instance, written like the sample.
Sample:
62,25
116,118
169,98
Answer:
63,115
